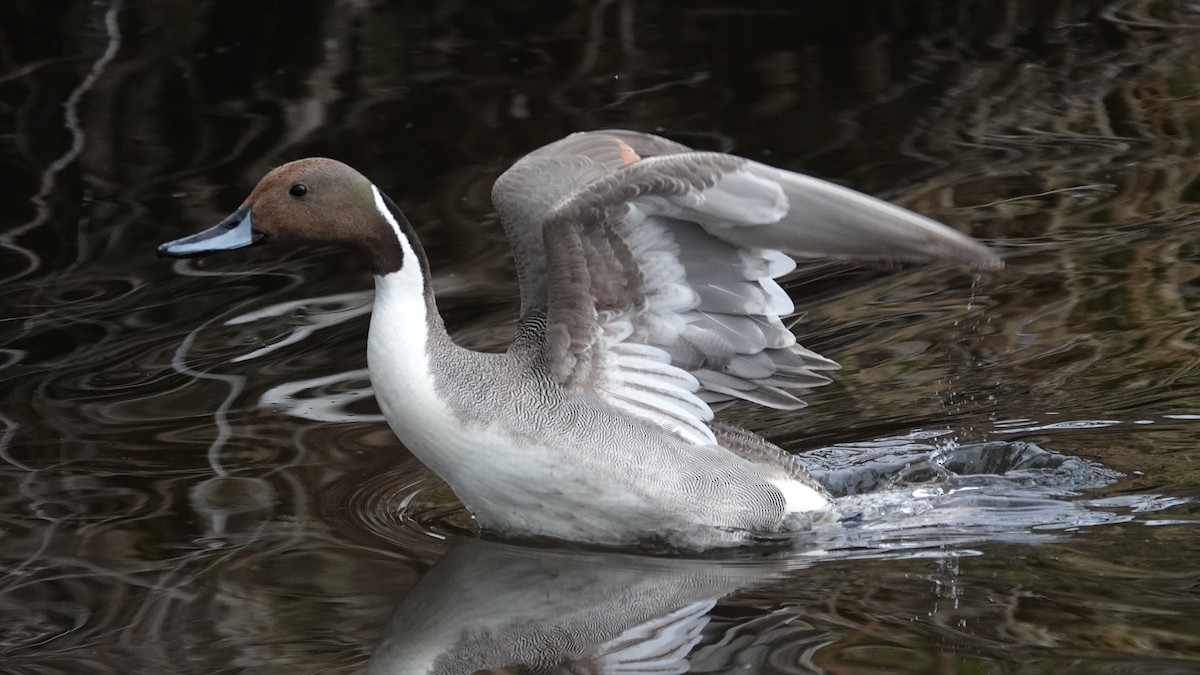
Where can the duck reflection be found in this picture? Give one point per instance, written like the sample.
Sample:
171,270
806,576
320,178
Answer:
492,607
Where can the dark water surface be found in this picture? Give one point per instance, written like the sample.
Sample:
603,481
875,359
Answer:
193,474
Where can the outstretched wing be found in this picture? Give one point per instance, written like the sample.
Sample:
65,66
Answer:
653,267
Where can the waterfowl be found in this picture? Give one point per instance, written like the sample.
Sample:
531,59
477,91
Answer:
648,300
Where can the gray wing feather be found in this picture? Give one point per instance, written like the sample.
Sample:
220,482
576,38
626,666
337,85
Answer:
626,241
830,221
526,193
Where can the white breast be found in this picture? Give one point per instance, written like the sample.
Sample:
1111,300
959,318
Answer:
399,364
506,484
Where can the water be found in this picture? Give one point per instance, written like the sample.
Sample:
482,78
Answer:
194,477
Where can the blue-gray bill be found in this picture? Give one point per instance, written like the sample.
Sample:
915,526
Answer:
236,231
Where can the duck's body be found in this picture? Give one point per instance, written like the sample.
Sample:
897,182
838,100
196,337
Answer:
647,298
530,458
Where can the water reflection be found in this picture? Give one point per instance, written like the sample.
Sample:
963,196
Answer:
488,606
492,607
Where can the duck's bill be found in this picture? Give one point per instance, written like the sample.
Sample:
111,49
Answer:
236,231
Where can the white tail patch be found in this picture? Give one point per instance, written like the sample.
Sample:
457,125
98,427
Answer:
800,498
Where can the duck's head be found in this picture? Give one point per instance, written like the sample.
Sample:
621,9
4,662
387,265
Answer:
314,200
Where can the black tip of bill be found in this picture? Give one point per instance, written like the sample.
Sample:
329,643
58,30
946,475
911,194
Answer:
236,231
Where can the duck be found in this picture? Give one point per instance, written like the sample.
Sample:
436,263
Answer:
649,300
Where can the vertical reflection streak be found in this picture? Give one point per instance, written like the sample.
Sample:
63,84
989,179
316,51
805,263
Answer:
221,415
78,140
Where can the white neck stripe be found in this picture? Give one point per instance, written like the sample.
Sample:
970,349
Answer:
387,213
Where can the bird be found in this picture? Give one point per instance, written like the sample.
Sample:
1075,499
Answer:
648,301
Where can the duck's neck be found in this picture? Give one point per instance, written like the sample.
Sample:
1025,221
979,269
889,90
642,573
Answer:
399,262
403,284
407,333
406,345
407,337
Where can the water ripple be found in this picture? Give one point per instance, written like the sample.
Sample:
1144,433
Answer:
403,506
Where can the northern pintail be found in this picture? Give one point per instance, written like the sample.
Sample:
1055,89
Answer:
648,299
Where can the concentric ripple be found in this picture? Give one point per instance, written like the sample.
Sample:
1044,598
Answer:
402,507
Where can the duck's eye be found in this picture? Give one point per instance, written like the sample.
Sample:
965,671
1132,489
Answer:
298,190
